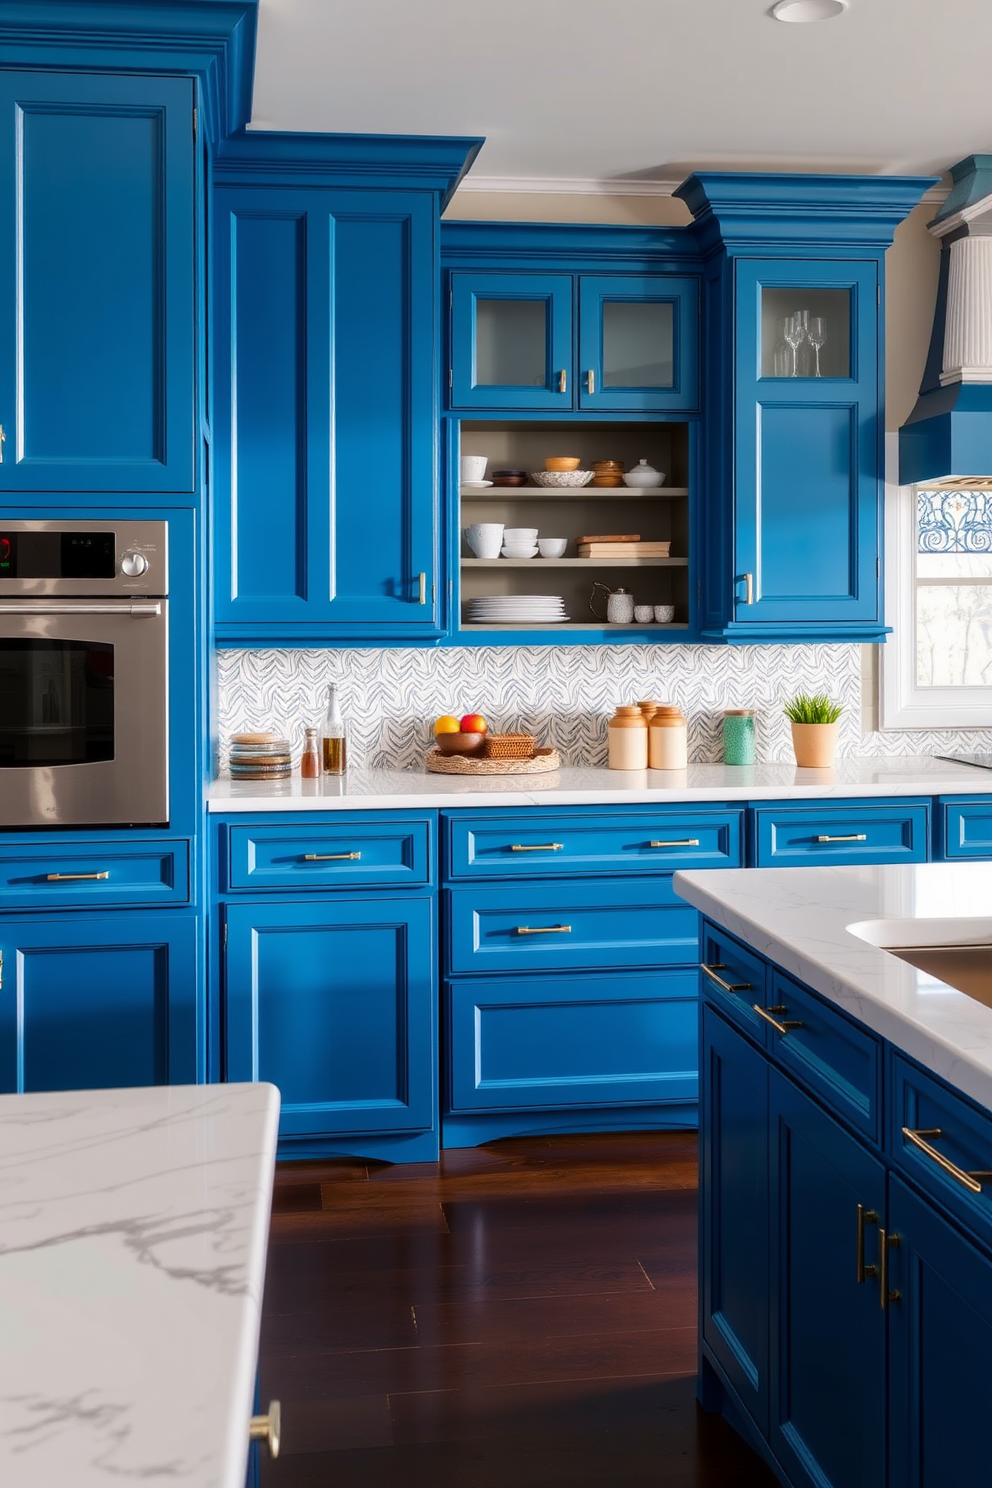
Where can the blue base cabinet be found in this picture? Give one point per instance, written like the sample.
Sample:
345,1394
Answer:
93,1003
846,1296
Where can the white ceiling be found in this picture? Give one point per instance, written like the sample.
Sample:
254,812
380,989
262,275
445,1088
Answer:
605,89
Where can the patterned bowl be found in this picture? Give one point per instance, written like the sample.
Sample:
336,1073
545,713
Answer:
571,478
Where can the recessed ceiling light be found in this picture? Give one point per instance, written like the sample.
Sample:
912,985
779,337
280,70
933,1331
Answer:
802,11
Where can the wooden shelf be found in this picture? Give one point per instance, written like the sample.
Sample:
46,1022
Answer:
575,493
575,562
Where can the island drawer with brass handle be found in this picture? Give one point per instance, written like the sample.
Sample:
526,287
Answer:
943,1143
964,828
337,850
734,978
787,835
836,1059
88,875
574,925
566,844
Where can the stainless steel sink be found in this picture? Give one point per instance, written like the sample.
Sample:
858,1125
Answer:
966,967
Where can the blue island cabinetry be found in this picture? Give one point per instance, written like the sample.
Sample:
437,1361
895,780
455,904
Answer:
846,1288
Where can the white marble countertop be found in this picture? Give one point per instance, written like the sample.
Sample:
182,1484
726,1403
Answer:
133,1229
801,919
364,790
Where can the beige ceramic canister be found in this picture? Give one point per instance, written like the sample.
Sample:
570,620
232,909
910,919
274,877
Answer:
628,740
649,710
668,742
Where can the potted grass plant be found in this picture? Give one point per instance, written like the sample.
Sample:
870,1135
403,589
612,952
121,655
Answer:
814,728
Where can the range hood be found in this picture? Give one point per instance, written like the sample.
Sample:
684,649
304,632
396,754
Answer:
948,436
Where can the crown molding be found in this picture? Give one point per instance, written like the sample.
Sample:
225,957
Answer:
567,186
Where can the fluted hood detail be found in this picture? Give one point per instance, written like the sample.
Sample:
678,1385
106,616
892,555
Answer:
948,436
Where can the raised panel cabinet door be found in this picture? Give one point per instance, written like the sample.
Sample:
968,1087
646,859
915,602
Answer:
940,1349
325,444
98,1003
96,282
333,1002
828,1329
807,456
638,342
511,341
734,1217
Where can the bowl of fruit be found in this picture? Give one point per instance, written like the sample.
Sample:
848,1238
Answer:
465,735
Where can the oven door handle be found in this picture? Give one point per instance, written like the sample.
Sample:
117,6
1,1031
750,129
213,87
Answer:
55,607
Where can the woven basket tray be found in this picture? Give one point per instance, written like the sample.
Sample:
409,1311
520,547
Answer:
461,764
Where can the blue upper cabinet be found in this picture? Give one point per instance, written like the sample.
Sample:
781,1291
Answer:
511,341
637,343
325,493
794,401
97,311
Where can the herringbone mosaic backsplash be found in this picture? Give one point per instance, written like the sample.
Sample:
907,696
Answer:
563,694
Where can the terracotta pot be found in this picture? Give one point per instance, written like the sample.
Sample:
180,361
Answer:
815,744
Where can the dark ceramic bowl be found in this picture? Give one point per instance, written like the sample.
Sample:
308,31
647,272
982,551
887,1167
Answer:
460,743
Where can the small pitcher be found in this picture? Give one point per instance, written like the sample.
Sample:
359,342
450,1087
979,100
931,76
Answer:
619,605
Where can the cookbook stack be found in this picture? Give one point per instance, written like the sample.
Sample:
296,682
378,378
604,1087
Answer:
621,545
260,756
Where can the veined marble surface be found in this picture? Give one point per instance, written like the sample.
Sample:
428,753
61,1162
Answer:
362,790
802,918
133,1228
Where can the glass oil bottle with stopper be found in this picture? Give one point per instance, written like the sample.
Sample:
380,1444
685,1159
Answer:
335,748
310,758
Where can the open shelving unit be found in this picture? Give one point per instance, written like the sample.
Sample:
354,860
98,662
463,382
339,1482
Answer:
659,514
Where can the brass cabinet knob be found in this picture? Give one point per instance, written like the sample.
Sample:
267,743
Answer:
268,1428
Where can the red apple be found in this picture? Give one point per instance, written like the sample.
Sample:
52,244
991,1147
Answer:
473,723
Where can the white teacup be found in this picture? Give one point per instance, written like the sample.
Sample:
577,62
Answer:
643,614
664,614
474,469
484,538
552,547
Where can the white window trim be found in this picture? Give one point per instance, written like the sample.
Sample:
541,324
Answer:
903,705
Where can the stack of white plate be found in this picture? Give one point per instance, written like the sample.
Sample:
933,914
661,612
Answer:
516,609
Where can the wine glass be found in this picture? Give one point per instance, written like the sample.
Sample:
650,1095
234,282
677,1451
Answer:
794,330
816,332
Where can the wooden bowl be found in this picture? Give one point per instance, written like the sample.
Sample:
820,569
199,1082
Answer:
471,744
562,462
509,478
607,480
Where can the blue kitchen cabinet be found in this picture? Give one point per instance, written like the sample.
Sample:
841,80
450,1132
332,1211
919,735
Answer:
97,312
637,343
94,1003
841,833
333,1000
511,338
963,828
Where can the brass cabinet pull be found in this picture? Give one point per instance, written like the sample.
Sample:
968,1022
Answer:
74,877
536,846
268,1428
329,857
711,972
850,837
865,1217
3,441
886,1294
590,381
422,582
748,587
562,380
685,842
779,1027
544,930
1,971
967,1180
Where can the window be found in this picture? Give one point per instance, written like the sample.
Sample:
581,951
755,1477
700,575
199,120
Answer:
937,665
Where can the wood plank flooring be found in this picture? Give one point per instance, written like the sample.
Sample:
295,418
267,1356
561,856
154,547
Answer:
520,1314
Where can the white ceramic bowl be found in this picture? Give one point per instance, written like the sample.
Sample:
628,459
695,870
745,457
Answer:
520,534
571,478
552,547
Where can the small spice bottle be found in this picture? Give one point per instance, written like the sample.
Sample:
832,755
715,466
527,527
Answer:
668,739
738,736
310,758
628,740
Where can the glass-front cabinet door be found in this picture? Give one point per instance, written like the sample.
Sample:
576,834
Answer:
637,343
511,341
807,442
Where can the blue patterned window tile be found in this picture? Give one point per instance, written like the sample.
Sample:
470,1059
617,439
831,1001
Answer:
954,521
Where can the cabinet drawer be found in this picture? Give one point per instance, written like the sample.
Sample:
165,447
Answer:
959,1136
966,827
517,1043
335,854
498,846
838,1061
84,876
733,978
857,832
588,925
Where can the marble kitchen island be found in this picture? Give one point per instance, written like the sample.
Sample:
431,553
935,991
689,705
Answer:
133,1229
846,1170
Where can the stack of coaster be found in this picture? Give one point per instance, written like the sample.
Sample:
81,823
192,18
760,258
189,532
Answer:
261,756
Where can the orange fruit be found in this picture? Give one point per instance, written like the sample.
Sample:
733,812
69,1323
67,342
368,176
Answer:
473,723
447,724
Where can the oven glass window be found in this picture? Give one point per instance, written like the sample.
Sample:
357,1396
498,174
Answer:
56,703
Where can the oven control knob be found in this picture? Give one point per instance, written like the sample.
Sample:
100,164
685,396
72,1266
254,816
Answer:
133,565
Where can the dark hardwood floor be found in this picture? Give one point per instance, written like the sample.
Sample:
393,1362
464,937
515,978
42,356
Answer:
522,1314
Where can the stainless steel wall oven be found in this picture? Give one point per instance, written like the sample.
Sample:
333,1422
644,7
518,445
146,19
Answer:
83,674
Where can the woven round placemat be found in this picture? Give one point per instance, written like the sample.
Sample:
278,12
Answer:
460,764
